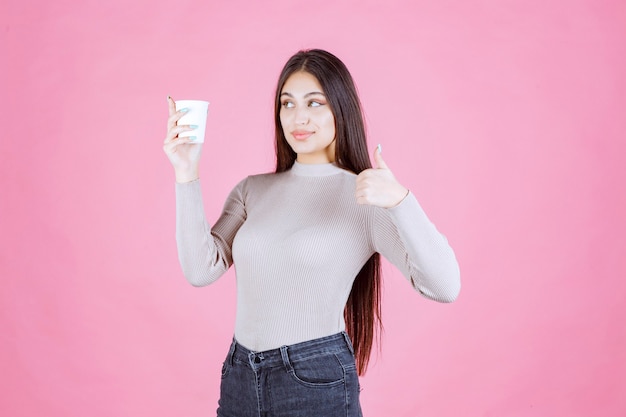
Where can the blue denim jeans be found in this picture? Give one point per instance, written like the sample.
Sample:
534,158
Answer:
317,378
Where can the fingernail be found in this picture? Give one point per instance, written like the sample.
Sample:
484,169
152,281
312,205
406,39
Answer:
193,126
192,138
169,98
185,110
380,148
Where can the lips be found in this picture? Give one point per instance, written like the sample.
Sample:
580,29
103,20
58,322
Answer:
301,134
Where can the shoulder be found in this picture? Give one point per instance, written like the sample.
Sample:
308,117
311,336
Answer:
257,182
263,179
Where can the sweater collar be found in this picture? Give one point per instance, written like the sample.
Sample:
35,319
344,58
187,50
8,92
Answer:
315,170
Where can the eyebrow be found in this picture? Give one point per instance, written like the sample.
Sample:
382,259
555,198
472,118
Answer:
312,93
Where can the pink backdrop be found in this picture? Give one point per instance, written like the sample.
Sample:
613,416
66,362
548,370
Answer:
505,118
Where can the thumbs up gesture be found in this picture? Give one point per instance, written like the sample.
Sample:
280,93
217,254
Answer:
377,186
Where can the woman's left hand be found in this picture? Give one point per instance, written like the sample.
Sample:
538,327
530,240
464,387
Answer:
377,186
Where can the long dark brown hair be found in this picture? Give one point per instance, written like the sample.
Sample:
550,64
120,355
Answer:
362,312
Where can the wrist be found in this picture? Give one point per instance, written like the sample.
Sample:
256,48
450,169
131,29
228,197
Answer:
401,195
183,176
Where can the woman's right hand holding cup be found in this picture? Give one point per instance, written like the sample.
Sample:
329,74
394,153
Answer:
181,151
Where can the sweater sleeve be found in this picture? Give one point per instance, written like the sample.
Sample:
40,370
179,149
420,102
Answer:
205,252
407,238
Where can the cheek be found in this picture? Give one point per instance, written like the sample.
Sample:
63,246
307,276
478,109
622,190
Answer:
330,124
283,121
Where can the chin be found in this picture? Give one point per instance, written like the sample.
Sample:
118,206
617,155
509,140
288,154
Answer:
301,148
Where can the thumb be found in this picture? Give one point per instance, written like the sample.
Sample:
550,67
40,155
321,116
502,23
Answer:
378,159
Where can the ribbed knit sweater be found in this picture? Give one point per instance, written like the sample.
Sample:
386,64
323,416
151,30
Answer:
297,240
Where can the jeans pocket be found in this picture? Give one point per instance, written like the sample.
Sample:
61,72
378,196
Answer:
318,371
226,367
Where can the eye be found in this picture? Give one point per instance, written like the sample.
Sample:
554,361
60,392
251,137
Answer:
315,104
287,104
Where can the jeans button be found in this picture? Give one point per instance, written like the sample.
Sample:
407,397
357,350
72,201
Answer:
257,360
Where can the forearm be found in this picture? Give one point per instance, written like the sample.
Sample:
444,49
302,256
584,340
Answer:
428,260
198,253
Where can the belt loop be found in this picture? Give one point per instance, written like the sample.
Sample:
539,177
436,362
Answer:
346,336
286,361
231,352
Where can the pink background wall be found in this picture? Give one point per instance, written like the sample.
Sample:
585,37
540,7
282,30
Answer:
505,118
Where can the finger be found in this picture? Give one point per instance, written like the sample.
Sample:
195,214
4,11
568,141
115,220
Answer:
173,119
360,184
378,159
366,173
362,192
360,198
366,179
171,146
362,187
176,130
171,105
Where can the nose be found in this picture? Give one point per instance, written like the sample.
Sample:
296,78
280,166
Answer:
302,116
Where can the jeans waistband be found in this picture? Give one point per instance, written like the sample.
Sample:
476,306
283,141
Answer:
280,356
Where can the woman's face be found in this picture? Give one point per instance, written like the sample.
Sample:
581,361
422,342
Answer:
306,119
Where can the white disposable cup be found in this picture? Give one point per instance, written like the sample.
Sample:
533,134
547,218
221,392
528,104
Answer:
197,112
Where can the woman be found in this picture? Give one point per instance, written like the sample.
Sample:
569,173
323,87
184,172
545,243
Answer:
306,242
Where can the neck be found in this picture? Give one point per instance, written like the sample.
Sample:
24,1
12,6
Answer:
315,170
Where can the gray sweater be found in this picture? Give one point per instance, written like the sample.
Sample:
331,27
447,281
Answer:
297,240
